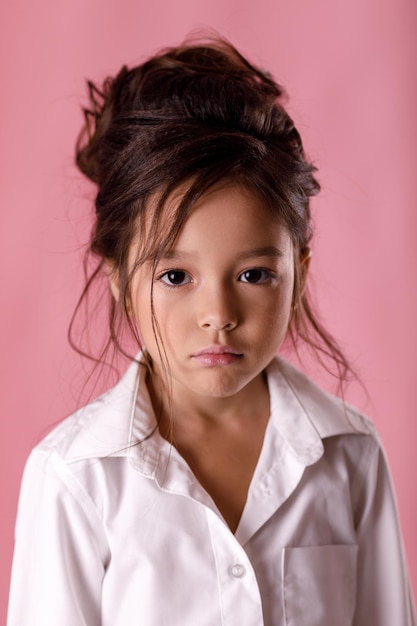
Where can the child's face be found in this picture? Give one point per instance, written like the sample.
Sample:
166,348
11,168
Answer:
222,297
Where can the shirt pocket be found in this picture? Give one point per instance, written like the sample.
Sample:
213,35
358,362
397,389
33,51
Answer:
319,585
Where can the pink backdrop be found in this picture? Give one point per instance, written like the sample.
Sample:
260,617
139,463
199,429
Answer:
350,70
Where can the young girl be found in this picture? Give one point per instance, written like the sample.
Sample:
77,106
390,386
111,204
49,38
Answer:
214,484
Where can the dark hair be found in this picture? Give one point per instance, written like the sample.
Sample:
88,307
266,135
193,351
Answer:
189,118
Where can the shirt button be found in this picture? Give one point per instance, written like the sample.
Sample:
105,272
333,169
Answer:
238,570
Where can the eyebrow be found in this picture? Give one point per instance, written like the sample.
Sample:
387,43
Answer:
264,251
271,251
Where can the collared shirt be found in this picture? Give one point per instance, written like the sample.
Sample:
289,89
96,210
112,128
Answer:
113,528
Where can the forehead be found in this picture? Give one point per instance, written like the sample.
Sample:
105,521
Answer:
185,200
231,217
227,212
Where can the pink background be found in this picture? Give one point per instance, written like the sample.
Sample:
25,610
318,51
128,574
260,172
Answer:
351,73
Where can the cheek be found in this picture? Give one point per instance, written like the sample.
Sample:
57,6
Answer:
277,312
142,313
164,319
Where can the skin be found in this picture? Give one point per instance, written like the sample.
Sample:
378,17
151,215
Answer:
222,298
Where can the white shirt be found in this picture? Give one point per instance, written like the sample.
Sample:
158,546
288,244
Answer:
114,534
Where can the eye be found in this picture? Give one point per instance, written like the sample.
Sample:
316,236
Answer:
255,276
175,278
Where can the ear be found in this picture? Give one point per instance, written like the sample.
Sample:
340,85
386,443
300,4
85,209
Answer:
113,276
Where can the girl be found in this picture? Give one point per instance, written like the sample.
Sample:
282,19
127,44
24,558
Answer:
214,484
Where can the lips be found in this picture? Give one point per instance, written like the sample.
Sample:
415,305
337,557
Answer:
217,355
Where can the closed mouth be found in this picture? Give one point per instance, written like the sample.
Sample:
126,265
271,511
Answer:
217,350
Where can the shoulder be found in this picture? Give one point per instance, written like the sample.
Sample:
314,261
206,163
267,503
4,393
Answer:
320,428
100,428
328,414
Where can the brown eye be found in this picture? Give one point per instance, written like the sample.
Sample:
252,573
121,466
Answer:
254,276
175,278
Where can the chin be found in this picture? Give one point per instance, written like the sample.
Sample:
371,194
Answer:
219,384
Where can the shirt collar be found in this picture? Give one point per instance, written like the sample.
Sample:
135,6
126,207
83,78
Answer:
305,414
122,422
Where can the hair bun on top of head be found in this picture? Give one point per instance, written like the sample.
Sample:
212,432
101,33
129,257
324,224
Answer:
207,81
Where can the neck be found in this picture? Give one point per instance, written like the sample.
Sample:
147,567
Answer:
178,412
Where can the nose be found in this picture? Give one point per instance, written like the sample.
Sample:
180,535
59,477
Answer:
217,309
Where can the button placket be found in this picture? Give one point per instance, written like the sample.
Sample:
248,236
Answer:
238,588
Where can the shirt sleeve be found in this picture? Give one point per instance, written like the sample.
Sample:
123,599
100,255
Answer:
60,549
383,593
